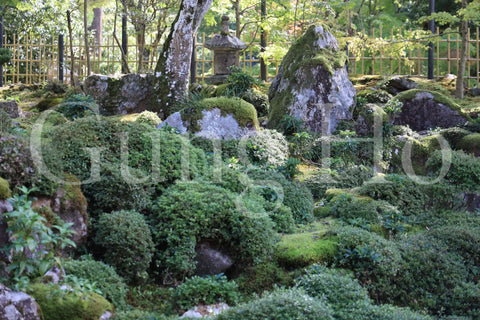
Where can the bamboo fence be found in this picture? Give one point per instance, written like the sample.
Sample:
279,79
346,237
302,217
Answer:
35,60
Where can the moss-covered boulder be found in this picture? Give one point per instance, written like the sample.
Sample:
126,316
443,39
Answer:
470,144
5,192
131,93
60,303
216,118
374,96
423,110
11,108
312,83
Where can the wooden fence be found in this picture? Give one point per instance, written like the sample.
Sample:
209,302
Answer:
36,60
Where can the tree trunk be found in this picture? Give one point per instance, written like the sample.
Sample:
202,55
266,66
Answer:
97,27
173,66
238,20
140,35
460,85
85,27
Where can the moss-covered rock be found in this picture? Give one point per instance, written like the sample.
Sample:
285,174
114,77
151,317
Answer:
423,110
47,103
58,304
218,117
312,79
470,144
5,192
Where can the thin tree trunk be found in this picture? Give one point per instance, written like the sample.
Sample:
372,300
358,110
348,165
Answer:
460,85
97,27
238,27
140,35
173,67
72,57
85,26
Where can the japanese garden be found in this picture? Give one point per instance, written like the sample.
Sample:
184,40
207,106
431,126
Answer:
239,159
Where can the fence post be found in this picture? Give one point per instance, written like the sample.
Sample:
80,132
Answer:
124,41
1,46
430,44
61,61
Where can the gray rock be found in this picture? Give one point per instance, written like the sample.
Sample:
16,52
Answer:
17,305
107,315
205,311
54,275
211,261
399,84
213,125
428,110
130,93
311,87
474,92
11,108
191,314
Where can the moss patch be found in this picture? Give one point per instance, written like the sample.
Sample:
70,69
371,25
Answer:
74,197
5,192
471,144
57,304
242,111
302,249
374,96
437,97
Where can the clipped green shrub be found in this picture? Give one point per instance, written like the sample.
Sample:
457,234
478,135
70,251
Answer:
78,106
128,245
429,273
470,144
208,290
282,218
5,192
346,297
104,276
258,99
154,159
296,195
58,304
454,135
303,249
189,212
389,312
464,171
262,277
374,260
268,148
136,314
291,304
150,118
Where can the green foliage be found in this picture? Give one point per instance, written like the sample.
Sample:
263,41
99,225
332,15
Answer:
454,135
262,277
5,192
150,118
295,195
268,148
344,295
303,249
464,171
5,122
470,144
102,275
154,158
238,82
290,125
136,314
207,290
282,218
78,106
292,304
48,102
182,218
17,166
258,99
128,245
5,56
58,304
373,96
289,169
33,244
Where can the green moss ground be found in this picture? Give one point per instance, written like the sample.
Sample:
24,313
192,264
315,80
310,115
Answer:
5,192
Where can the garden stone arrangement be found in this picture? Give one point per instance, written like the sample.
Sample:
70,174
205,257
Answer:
317,197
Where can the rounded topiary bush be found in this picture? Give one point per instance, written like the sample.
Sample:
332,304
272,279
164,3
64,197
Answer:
268,147
104,276
291,304
190,212
150,118
128,245
293,194
152,159
208,290
58,304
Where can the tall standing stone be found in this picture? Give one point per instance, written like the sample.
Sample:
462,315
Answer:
312,83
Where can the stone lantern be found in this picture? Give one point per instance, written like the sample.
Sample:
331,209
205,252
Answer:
226,50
